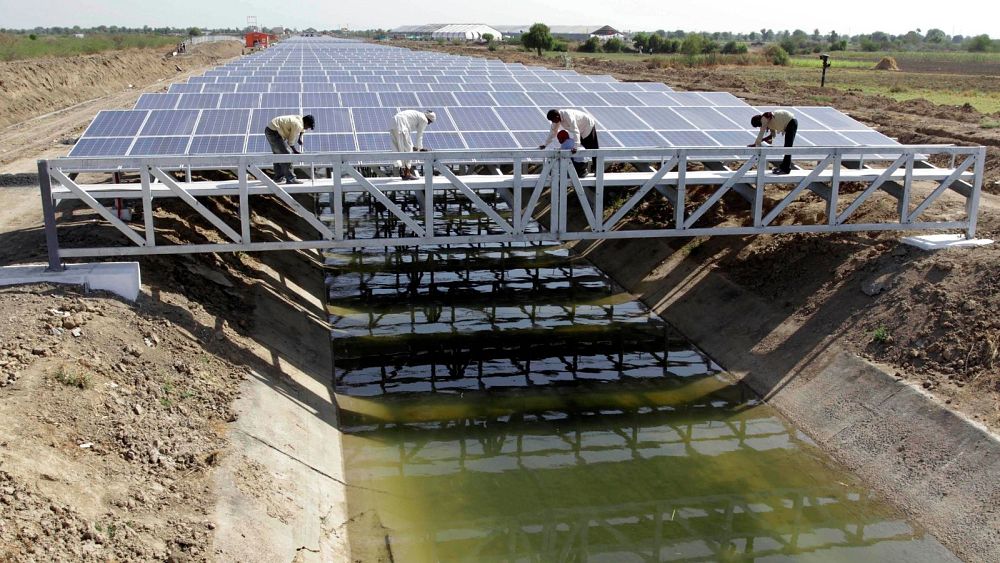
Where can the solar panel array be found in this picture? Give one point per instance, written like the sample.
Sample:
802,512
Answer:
353,89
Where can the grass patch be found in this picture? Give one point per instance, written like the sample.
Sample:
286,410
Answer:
989,124
73,379
14,47
881,335
815,62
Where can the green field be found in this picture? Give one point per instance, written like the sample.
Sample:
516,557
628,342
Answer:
15,47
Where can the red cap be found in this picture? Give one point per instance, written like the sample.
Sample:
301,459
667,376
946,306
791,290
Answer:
562,135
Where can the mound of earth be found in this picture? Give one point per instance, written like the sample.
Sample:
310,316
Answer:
887,63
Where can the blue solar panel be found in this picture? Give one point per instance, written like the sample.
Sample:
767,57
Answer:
475,98
740,138
489,140
436,99
868,138
740,115
616,118
199,101
169,122
662,118
530,139
512,99
331,120
116,123
257,88
831,118
359,99
651,98
690,99
184,88
374,142
337,142
150,146
218,88
236,101
706,118
157,101
825,139
580,99
399,99
476,119
217,144
523,118
548,99
223,122
436,140
639,138
688,138
282,100
106,146
375,87
620,99
373,119
321,100
257,144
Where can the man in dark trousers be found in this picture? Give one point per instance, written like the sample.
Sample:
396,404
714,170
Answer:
283,133
581,126
771,124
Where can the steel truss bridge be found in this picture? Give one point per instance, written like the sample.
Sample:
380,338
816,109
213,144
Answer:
512,188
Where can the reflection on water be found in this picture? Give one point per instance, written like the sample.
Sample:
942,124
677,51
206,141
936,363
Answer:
508,403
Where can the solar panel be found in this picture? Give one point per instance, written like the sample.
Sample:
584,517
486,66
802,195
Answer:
825,138
705,118
372,119
374,142
337,142
688,139
116,123
692,99
399,99
239,100
199,101
512,99
218,88
331,120
616,118
476,119
157,101
149,146
580,99
489,140
184,88
548,99
280,100
223,122
436,140
523,118
868,138
436,99
320,100
639,138
217,144
359,99
832,118
106,146
662,118
169,122
733,138
475,98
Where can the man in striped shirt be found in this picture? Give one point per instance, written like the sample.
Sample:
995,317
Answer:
771,124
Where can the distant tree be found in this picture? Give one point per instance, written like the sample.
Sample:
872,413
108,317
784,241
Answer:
538,37
641,42
614,45
32,36
980,44
734,48
753,36
591,45
834,36
655,43
692,45
777,55
816,36
194,32
488,37
839,45
935,36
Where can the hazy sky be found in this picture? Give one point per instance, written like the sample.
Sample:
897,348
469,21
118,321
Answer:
844,16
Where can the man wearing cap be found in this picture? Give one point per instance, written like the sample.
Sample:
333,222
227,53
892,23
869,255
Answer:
283,133
406,122
581,126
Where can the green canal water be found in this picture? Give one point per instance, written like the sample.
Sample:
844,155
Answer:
510,403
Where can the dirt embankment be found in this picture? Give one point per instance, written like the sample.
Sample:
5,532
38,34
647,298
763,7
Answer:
35,87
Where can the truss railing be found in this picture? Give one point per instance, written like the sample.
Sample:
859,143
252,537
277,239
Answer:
530,184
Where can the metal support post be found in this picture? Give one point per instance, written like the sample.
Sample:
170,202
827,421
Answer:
49,214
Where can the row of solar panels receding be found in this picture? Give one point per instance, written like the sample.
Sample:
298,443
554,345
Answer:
142,133
354,89
447,99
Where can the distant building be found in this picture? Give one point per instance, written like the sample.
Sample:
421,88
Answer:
568,32
447,32
278,30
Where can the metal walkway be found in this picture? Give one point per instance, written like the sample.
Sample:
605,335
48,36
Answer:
510,188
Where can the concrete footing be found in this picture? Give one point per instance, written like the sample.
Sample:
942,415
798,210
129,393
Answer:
937,242
120,278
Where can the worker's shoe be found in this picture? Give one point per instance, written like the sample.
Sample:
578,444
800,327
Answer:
407,175
779,171
292,181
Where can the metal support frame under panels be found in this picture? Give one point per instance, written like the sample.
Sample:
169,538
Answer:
662,172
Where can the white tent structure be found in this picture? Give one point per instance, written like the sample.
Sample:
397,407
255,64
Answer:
466,32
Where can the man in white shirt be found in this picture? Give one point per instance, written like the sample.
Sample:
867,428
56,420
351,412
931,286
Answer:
581,126
771,124
283,133
403,124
